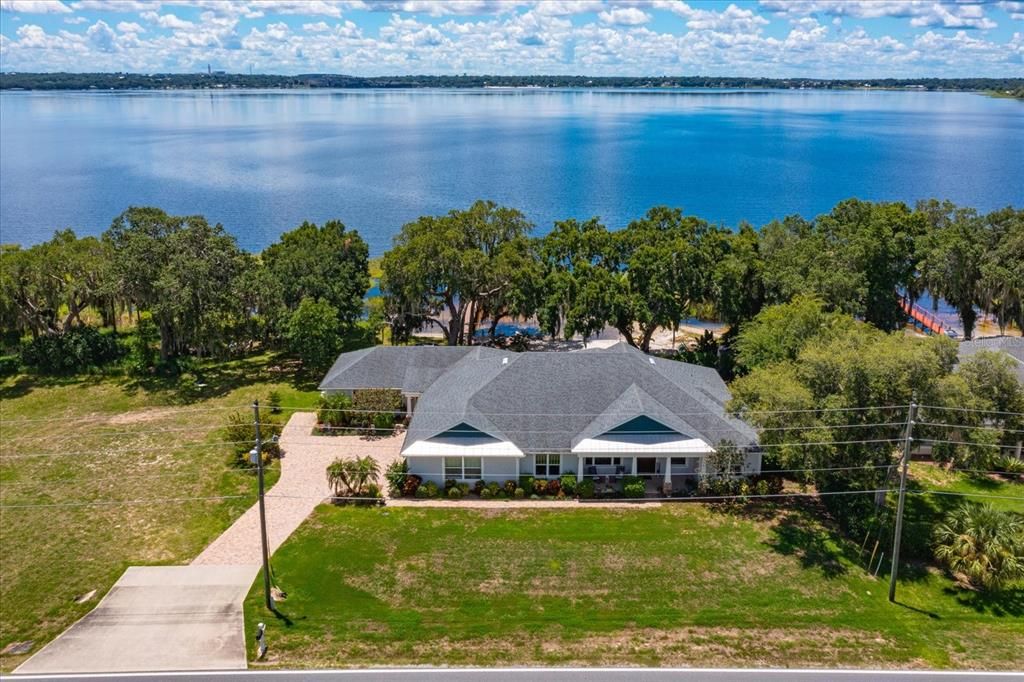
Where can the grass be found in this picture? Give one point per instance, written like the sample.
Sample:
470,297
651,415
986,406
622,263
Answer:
99,439
680,584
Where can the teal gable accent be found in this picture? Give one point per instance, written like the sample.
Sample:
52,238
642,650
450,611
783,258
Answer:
463,430
641,425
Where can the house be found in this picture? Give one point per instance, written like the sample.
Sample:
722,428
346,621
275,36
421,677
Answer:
482,413
1011,346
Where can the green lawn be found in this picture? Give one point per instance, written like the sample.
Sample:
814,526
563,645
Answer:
138,440
680,584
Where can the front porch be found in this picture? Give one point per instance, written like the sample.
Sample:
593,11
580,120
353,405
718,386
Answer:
662,476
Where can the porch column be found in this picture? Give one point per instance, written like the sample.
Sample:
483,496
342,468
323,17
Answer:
579,468
668,471
634,466
408,404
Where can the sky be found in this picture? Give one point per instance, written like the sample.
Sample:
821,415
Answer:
775,38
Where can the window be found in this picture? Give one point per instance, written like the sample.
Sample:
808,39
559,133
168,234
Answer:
461,468
602,461
548,466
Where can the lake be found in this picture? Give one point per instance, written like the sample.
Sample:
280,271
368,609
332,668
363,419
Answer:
261,162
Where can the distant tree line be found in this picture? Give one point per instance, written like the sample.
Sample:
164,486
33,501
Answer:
186,285
137,81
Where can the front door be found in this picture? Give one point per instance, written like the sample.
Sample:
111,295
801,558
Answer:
646,466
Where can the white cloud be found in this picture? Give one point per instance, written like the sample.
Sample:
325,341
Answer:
75,20
624,16
102,36
318,27
559,8
170,21
35,6
1015,8
129,27
922,13
117,5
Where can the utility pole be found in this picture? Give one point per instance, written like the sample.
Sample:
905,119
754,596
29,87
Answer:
907,440
258,454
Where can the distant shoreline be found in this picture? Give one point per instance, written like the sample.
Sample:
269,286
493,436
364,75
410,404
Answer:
1002,87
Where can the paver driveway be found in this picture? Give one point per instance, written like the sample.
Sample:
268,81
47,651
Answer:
160,618
301,487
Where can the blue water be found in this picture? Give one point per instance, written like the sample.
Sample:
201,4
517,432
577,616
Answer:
261,162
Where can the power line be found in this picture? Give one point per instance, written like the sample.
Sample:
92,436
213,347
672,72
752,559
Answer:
970,409
971,426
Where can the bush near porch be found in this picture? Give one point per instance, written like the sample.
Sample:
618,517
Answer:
370,412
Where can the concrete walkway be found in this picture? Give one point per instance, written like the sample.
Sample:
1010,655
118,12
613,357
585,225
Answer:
301,487
164,618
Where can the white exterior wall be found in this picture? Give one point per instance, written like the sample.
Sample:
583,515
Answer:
498,469
427,468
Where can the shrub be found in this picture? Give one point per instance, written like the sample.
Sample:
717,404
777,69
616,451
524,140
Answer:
981,546
383,422
519,493
479,487
485,493
526,483
762,487
242,436
9,364
534,497
569,483
510,488
432,489
274,402
585,489
422,492
449,483
396,475
78,349
1008,465
633,486
540,486
495,488
463,488
553,487
501,494
411,485
455,493
332,411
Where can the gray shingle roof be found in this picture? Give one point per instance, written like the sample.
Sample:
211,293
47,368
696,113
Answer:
1011,345
548,402
409,368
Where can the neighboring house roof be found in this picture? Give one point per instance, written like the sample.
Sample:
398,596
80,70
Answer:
1012,346
549,401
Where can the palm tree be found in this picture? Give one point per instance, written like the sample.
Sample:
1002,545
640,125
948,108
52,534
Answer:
350,476
981,546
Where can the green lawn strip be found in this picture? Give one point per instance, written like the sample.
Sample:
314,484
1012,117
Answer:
681,584
139,441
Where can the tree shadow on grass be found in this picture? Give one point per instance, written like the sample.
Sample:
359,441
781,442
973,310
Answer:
1007,602
26,383
813,544
206,380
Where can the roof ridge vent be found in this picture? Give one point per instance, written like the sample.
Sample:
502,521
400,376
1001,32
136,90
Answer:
504,360
650,360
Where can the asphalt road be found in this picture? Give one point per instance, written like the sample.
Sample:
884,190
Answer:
548,675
